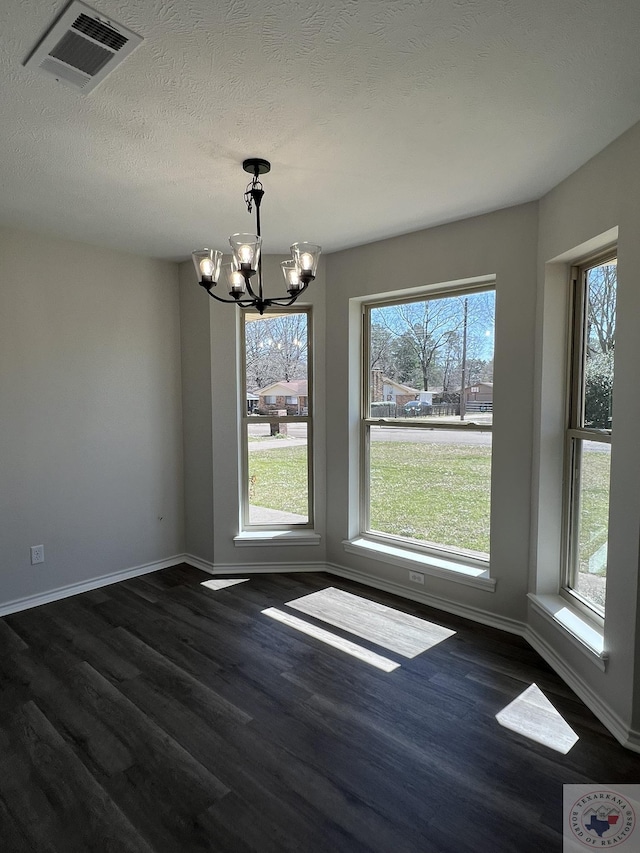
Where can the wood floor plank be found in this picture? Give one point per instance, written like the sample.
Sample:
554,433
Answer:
86,816
173,680
64,707
254,770
160,714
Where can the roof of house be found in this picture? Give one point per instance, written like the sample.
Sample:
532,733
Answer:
406,389
295,388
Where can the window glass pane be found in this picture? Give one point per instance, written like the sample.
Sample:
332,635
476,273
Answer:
278,481
431,486
590,520
433,359
601,282
276,362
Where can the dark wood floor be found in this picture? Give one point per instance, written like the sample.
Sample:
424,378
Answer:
160,715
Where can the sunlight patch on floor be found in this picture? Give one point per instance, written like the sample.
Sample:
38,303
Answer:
332,640
532,715
221,583
393,629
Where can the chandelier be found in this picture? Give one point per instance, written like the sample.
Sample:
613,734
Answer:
246,264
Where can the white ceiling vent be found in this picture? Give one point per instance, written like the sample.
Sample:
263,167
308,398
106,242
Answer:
82,47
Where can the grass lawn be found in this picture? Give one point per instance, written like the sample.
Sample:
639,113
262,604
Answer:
594,503
280,479
436,493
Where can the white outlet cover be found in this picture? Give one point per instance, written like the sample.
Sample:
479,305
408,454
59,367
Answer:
37,554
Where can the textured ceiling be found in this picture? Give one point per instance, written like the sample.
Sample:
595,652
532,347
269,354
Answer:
379,116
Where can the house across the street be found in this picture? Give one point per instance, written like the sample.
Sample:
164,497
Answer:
292,396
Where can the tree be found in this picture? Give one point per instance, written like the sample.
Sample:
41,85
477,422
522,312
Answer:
424,328
452,355
601,295
600,345
381,350
598,390
275,348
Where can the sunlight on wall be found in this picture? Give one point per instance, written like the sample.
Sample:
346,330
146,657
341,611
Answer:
393,629
532,715
332,640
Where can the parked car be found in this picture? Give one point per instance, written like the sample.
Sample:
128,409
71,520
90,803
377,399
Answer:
416,407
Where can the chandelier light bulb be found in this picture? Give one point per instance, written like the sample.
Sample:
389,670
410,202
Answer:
237,281
206,267
306,261
245,254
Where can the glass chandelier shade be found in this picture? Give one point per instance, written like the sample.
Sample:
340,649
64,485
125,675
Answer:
291,276
246,250
246,262
207,263
306,257
235,279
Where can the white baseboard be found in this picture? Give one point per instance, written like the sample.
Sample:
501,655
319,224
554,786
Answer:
85,586
627,737
198,563
475,614
251,568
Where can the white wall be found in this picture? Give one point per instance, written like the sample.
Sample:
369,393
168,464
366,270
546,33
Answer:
90,412
197,415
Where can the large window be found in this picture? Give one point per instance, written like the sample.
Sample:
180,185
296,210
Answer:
588,444
276,424
427,420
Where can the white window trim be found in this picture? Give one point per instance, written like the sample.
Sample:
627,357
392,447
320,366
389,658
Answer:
265,534
259,538
587,611
581,630
402,556
408,554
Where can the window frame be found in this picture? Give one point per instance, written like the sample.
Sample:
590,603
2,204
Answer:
245,419
446,553
576,433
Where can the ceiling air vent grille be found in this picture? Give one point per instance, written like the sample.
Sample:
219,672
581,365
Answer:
100,32
82,47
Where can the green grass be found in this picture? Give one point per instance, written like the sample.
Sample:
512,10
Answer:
594,504
280,479
438,493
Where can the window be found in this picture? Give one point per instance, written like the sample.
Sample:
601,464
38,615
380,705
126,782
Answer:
588,440
427,421
277,475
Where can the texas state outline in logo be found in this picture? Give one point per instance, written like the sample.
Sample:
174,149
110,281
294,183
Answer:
602,819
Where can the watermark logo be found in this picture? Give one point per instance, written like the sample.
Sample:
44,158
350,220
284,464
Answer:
601,818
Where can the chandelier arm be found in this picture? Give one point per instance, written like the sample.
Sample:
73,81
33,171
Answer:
285,301
232,301
250,289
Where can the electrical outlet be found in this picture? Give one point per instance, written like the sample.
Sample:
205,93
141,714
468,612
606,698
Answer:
37,554
416,577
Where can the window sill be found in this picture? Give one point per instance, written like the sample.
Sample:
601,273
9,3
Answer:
249,538
428,564
584,633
